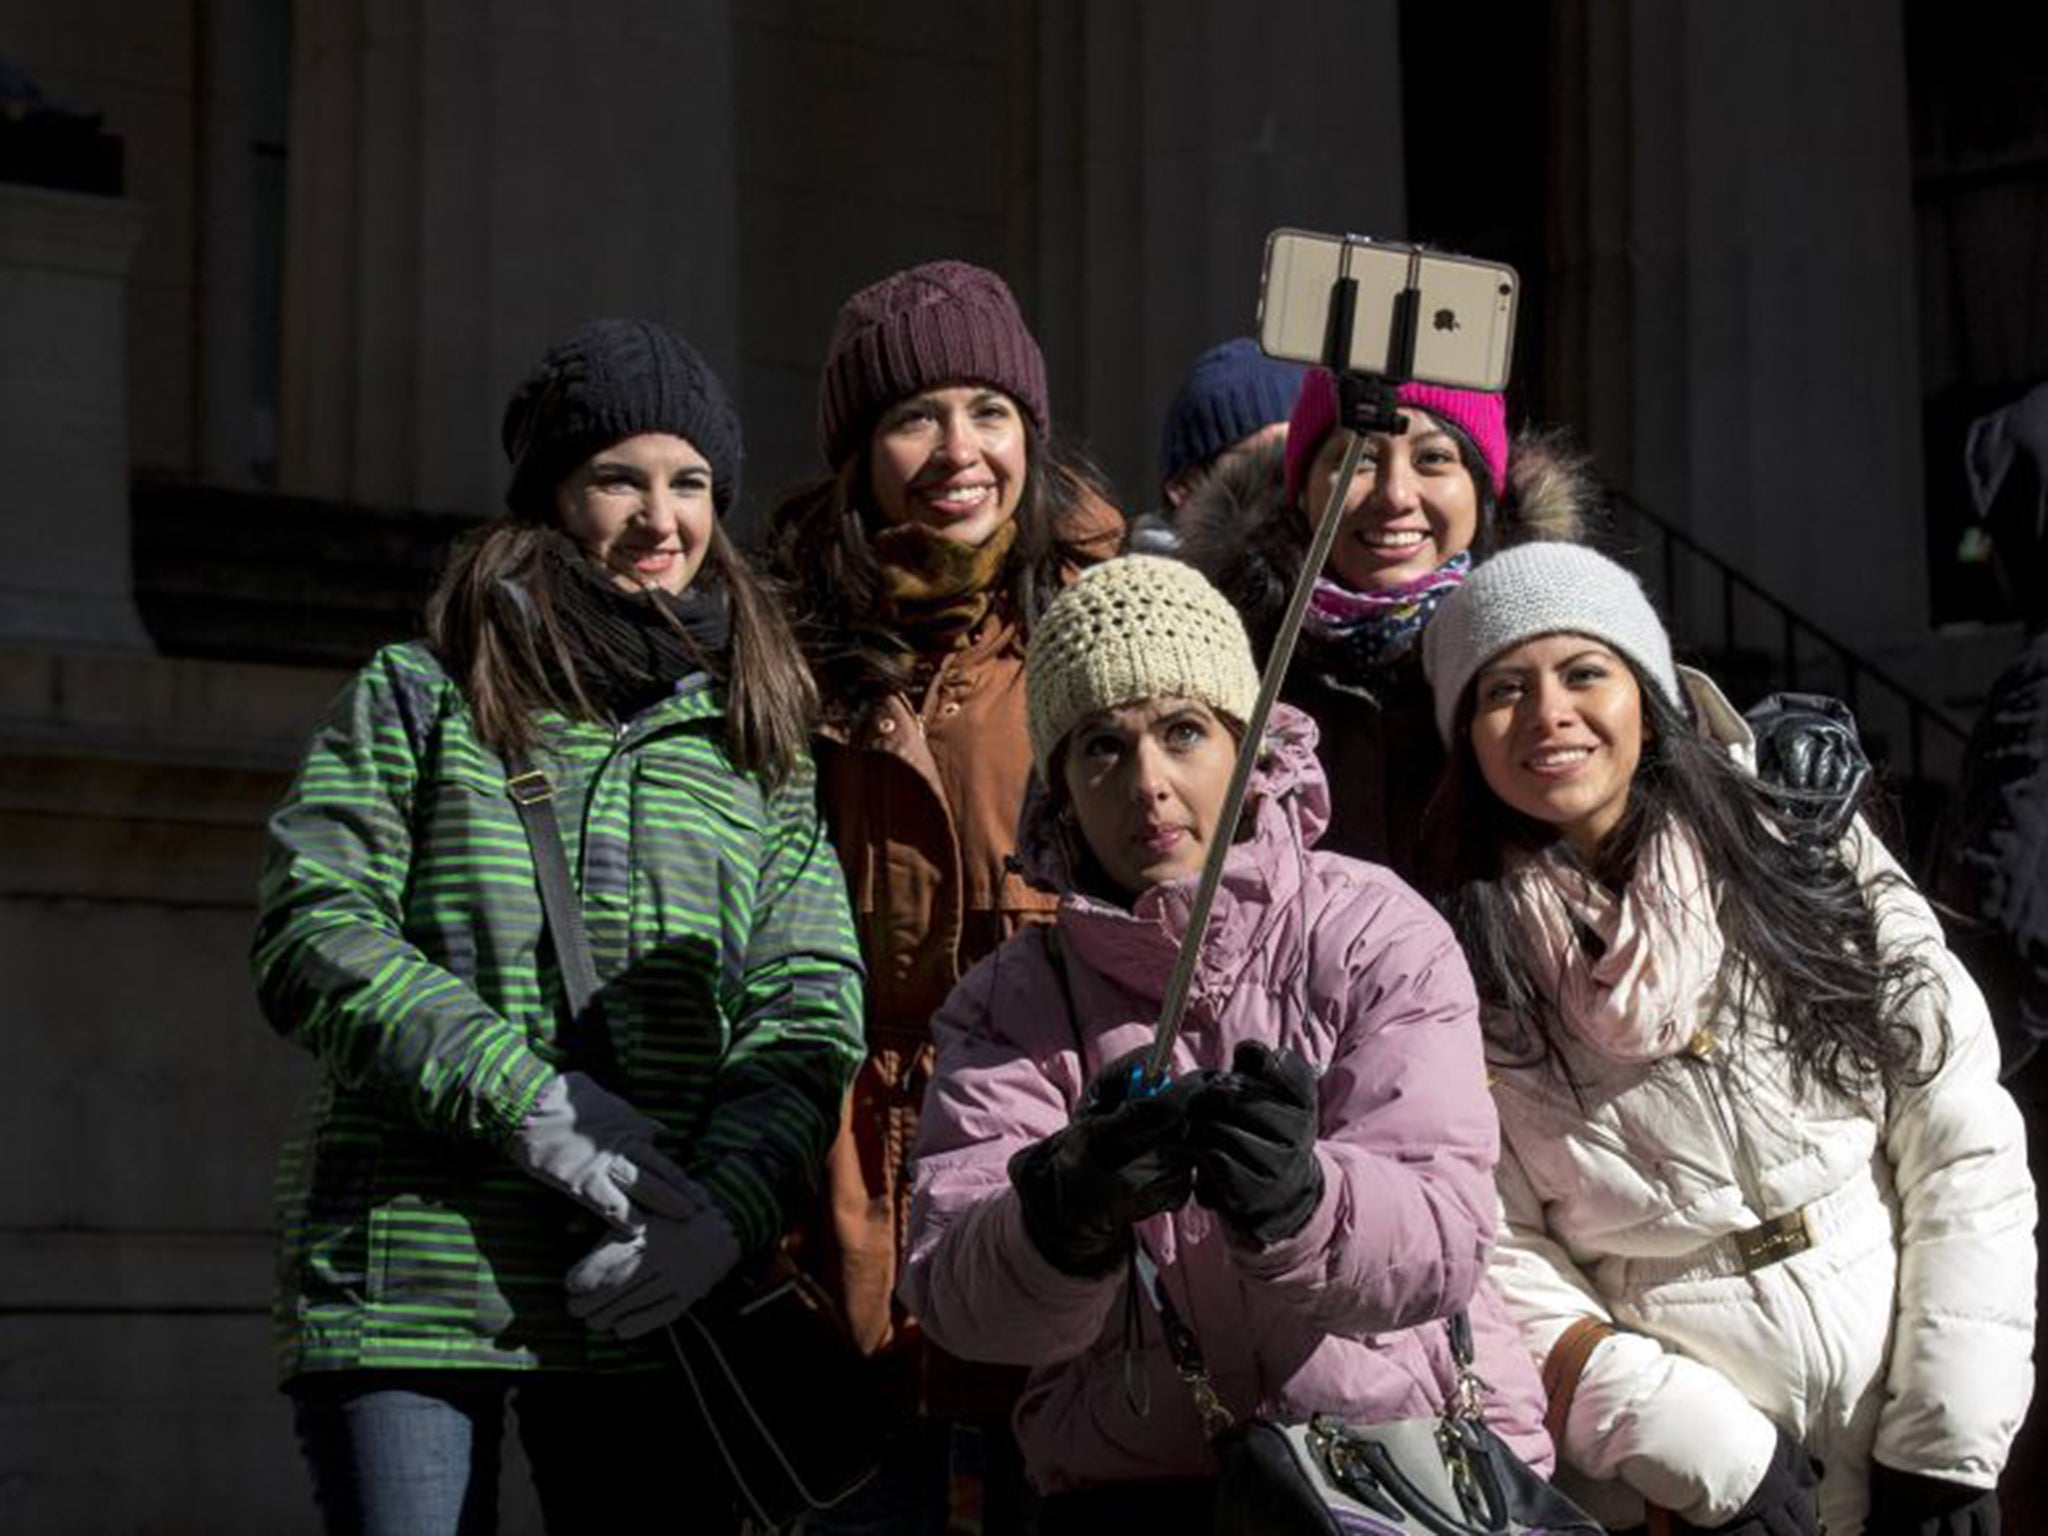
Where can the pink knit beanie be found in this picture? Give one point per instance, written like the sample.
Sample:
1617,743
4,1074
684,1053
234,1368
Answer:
945,322
1481,416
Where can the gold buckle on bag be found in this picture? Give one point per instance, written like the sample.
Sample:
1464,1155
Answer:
530,787
1776,1240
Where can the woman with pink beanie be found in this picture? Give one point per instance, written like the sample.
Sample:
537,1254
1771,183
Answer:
1423,506
912,573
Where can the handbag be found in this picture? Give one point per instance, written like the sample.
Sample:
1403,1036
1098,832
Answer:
785,1394
787,1398
1445,1476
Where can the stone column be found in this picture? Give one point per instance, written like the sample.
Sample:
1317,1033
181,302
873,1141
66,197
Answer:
1154,144
1734,287
469,180
65,568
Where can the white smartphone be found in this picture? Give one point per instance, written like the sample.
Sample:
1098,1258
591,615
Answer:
1465,325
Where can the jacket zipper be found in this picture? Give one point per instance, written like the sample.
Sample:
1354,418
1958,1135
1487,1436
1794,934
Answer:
1710,1066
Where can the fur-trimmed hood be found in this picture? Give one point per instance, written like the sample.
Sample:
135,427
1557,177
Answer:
1239,530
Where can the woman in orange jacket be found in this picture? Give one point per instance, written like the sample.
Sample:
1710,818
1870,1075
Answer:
912,574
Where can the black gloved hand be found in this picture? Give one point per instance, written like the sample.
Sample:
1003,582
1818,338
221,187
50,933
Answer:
1809,755
1783,1504
1121,1160
1253,1129
1908,1504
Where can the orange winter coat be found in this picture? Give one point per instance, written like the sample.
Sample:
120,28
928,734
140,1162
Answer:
922,798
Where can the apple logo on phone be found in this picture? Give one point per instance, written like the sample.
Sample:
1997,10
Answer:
1444,320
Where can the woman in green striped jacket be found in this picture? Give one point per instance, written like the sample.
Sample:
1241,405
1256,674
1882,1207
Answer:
490,1196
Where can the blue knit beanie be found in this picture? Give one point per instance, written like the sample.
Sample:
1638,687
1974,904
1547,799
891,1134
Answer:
1232,391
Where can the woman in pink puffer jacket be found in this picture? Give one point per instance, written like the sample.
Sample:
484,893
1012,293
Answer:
1328,1112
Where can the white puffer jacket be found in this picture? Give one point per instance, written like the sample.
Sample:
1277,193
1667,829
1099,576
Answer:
1904,1332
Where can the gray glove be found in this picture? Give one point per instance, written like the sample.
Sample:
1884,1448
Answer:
599,1151
633,1285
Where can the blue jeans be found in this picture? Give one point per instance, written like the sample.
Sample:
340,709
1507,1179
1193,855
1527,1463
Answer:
416,1453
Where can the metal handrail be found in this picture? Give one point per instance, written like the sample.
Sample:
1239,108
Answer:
1856,668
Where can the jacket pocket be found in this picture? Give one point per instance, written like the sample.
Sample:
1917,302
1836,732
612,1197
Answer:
692,844
676,796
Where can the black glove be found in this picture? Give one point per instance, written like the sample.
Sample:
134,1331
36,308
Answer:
1907,1504
1809,755
1253,1129
1783,1504
1122,1159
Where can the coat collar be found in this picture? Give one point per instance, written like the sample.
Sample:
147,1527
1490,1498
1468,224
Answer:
1288,808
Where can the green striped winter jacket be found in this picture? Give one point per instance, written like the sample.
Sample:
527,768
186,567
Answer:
400,940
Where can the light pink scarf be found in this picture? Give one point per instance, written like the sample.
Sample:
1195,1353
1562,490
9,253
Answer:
1654,984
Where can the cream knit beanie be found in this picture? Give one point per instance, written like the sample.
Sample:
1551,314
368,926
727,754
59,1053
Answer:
1138,627
1542,589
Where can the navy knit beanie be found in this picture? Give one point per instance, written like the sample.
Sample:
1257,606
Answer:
1232,391
607,380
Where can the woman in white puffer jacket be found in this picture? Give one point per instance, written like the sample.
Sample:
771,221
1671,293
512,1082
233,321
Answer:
1767,1212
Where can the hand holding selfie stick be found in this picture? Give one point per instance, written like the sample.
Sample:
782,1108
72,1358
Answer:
1365,403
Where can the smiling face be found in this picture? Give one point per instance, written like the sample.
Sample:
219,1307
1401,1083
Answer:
1412,505
952,460
642,509
1557,728
1147,783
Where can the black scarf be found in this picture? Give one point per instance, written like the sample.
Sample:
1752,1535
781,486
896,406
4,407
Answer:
632,648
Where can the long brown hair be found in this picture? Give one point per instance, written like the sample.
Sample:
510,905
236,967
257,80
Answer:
822,561
494,621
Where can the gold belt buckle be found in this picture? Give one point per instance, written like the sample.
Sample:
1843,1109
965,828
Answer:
1777,1239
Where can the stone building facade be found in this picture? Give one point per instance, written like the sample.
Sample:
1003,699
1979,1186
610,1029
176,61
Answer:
245,402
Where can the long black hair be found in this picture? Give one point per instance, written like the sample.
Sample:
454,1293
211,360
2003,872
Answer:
1802,954
819,553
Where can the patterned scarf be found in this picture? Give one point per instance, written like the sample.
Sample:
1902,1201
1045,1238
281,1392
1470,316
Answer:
1360,633
936,589
1652,983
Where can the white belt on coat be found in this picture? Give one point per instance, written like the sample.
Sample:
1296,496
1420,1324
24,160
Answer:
1769,1242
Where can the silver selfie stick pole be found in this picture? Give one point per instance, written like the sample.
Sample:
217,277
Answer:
1364,404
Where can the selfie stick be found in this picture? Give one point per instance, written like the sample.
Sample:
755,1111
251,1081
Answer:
1365,403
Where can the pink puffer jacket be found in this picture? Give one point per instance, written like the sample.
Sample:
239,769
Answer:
1344,1316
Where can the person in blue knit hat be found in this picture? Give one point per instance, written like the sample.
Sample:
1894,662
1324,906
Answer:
1233,399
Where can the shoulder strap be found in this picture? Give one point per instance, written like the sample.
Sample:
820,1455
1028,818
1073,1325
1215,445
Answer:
1562,1368
533,797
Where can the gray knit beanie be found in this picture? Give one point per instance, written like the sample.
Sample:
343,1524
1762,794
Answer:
1138,627
1542,589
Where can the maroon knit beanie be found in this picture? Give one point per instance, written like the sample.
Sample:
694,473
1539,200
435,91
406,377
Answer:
946,322
1481,415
